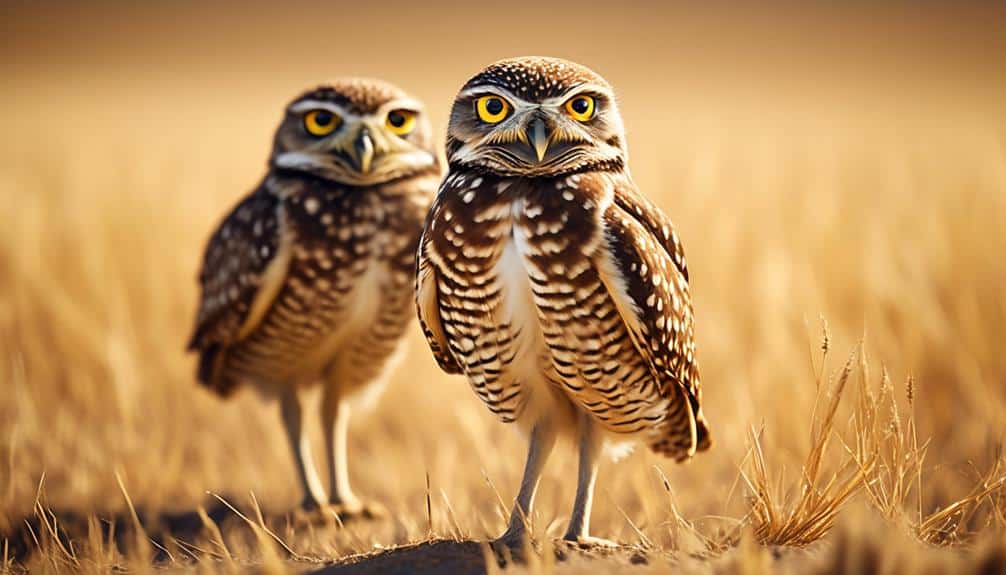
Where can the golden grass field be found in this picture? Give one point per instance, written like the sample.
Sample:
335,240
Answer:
843,208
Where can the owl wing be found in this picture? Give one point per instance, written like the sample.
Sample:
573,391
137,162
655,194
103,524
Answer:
243,266
428,304
644,271
655,221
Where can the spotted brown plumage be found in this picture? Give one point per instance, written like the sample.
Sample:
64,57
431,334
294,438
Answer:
310,278
551,283
234,264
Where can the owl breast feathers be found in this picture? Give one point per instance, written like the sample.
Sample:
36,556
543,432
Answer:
578,275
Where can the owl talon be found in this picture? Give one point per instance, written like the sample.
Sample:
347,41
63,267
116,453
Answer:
310,505
311,512
589,542
512,547
357,510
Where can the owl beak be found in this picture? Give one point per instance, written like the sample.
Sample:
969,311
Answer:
537,136
363,151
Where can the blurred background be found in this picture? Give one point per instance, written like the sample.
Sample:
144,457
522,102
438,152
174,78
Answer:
843,161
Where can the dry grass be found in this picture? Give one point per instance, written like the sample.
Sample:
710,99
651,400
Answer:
817,504
885,217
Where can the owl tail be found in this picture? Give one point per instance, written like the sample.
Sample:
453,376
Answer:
703,440
683,433
210,372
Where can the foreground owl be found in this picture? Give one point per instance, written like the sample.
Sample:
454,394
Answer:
551,283
310,278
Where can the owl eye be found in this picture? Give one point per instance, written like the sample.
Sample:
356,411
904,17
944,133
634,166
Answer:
492,109
320,122
401,122
581,108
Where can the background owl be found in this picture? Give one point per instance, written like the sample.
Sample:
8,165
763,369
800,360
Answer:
548,280
309,279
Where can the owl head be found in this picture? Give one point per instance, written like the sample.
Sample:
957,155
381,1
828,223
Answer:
535,116
356,131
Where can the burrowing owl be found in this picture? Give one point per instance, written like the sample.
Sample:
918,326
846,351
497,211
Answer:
310,278
551,283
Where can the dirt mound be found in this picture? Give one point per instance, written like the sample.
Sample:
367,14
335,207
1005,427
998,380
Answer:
447,557
429,557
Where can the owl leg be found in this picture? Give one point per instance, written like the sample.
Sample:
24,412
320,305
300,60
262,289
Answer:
335,422
293,411
591,444
540,446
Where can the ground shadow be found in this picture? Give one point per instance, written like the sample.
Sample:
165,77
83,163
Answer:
24,536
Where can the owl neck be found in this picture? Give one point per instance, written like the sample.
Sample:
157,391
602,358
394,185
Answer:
610,166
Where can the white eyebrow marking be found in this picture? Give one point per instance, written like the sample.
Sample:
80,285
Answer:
349,117
578,89
307,105
488,89
521,105
400,104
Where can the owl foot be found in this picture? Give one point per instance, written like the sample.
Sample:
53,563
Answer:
589,542
512,547
310,505
316,514
308,512
357,510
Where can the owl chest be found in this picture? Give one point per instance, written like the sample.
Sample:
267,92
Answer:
553,296
334,244
514,291
335,279
544,319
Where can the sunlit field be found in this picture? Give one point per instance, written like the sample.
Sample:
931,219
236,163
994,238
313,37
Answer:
846,244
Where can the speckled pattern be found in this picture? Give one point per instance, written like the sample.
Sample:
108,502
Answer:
535,78
236,259
359,95
336,234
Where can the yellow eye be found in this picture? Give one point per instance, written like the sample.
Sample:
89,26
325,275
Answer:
492,109
320,122
401,122
581,108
